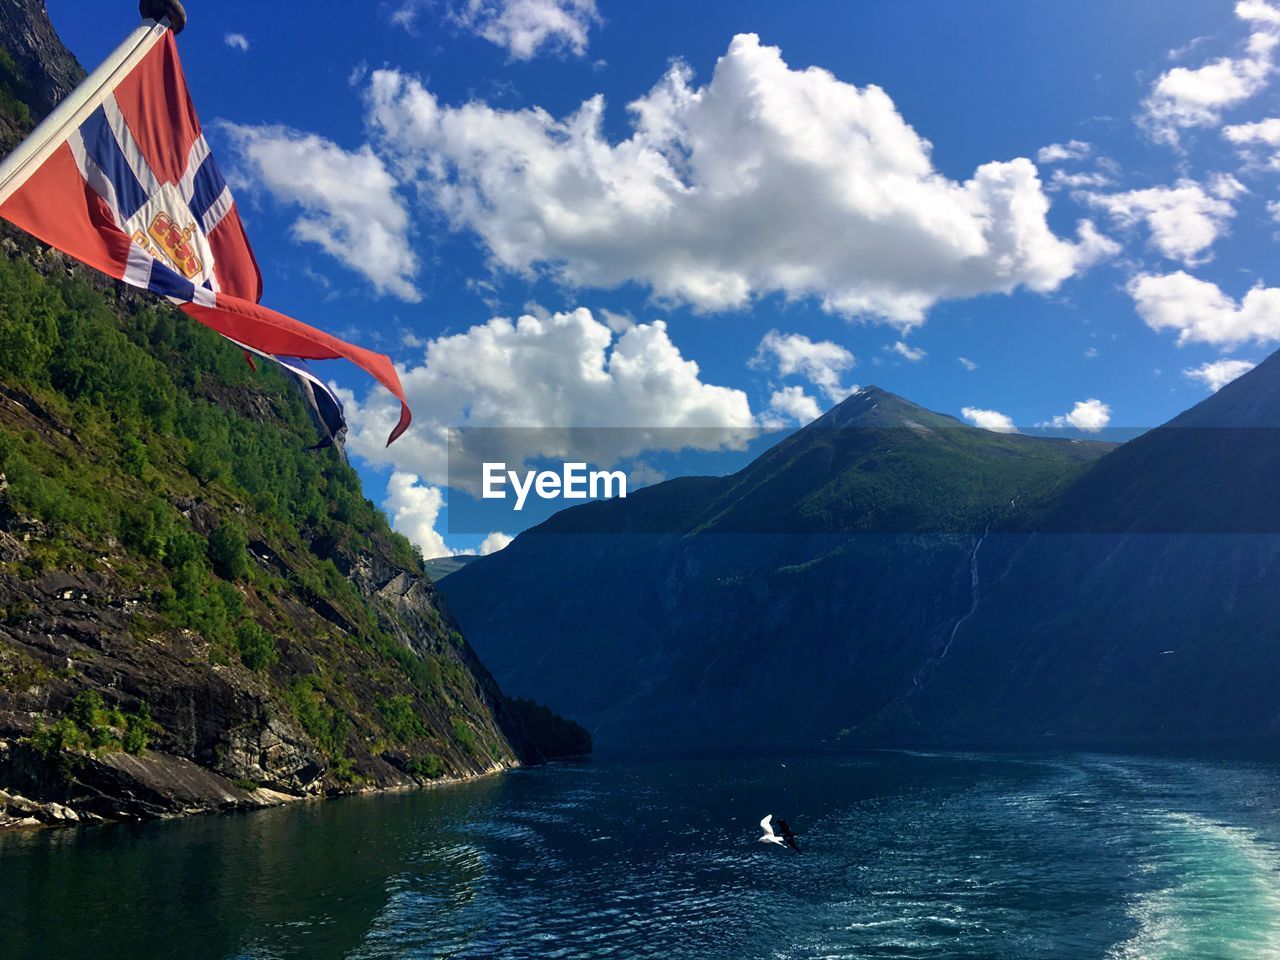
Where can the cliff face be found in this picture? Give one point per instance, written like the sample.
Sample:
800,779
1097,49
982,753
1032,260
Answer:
36,70
197,611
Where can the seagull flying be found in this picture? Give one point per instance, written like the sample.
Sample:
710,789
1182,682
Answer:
785,837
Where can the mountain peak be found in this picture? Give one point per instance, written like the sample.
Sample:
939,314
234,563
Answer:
875,407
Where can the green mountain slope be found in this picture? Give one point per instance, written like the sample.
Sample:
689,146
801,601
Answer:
784,603
196,610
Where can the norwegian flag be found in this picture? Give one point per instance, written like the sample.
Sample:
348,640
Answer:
120,177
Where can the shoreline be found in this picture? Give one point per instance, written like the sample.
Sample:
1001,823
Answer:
19,813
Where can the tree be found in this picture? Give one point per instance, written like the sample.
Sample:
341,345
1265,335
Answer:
228,551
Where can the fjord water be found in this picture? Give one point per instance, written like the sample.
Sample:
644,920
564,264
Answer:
905,855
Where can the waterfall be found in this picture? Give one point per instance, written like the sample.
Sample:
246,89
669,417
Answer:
974,600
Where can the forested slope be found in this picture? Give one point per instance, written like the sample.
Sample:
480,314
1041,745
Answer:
197,609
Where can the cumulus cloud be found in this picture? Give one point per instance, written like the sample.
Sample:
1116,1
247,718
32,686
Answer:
1087,416
236,41
992,420
1218,373
414,509
548,372
1059,152
764,180
494,542
822,363
1201,313
790,405
967,363
1184,219
1182,98
907,352
1259,142
348,200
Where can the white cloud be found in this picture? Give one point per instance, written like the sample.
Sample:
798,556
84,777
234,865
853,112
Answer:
1182,98
644,474
907,352
1061,180
764,180
236,41
495,541
992,420
349,203
547,373
1218,373
1201,313
1184,219
414,509
1178,53
1261,133
525,27
821,363
790,405
1058,152
967,363
1088,416
1258,11
406,13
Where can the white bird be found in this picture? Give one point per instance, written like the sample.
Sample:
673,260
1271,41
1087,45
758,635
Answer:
769,836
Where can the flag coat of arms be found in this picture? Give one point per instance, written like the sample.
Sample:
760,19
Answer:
120,177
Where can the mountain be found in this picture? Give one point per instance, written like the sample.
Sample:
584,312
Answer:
440,567
890,574
790,601
1146,604
197,611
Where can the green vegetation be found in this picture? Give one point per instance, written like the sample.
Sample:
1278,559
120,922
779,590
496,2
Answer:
229,551
326,724
89,726
175,466
430,768
153,396
401,720
257,647
464,735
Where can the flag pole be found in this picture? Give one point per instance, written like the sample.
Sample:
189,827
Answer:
76,107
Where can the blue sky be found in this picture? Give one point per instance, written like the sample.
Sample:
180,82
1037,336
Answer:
400,190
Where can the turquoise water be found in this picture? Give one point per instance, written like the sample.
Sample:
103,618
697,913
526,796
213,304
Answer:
906,855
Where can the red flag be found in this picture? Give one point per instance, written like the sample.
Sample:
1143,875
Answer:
120,177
